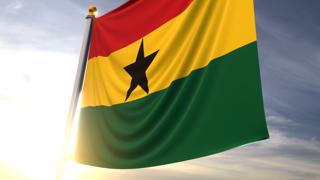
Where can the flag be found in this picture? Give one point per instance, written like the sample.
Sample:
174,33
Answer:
168,81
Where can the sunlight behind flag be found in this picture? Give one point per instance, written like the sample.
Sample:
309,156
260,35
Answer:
32,119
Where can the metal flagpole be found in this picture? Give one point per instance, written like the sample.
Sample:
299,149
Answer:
76,89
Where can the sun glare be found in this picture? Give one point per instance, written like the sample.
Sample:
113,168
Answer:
34,99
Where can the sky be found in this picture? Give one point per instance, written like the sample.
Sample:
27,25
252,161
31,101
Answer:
40,43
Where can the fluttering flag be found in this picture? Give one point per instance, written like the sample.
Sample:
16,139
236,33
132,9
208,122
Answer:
169,81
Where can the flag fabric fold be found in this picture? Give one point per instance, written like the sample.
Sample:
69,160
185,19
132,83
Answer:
169,81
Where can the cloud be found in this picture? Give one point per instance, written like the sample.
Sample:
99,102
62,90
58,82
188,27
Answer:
289,62
13,7
57,26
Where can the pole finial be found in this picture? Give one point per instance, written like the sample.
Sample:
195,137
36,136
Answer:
92,11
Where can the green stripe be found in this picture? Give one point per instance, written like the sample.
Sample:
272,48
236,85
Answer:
213,109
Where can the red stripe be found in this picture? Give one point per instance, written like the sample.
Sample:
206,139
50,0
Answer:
130,22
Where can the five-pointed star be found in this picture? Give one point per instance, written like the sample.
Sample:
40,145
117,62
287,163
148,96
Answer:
137,71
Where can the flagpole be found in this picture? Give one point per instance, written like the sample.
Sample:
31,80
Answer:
82,64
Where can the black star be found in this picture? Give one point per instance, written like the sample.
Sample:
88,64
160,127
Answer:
137,70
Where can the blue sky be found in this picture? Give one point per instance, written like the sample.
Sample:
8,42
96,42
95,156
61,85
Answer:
39,47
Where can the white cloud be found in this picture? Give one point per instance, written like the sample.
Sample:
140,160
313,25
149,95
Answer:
13,7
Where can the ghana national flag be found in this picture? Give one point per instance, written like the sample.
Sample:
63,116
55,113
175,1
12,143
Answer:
169,81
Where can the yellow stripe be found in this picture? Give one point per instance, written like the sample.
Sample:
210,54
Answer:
207,29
